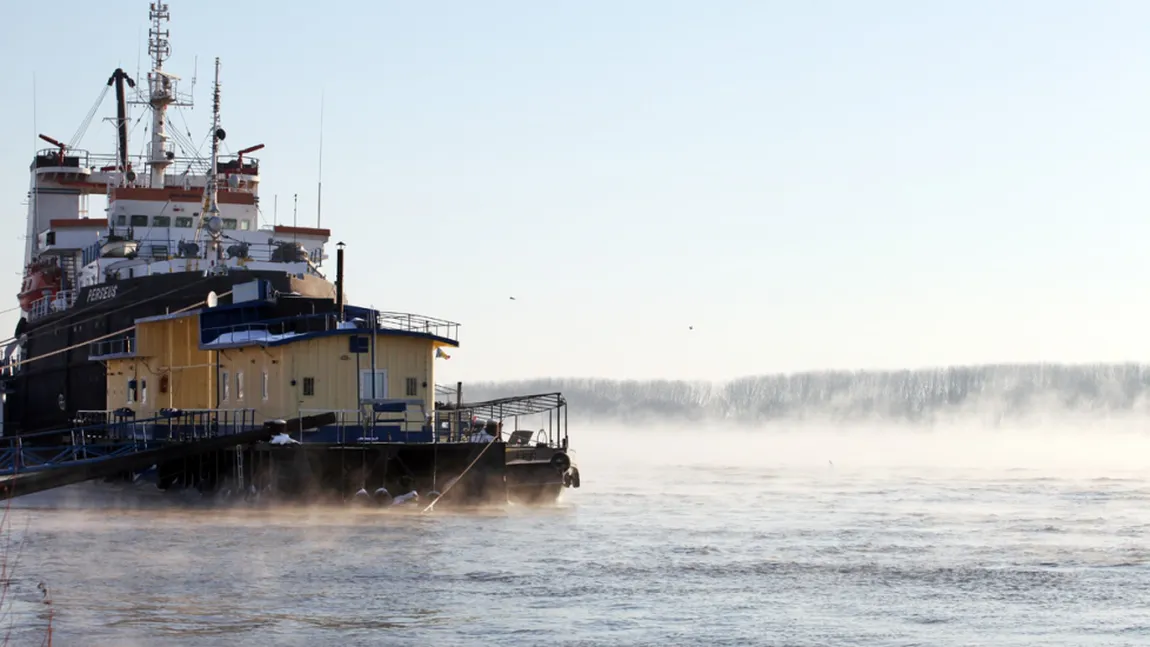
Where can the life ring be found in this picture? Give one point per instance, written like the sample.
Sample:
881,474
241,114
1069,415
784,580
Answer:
561,461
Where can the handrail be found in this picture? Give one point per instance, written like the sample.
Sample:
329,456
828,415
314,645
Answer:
330,321
179,165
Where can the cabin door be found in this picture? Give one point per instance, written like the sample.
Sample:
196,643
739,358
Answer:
365,386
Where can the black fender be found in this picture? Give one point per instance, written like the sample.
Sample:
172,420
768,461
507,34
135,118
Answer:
561,461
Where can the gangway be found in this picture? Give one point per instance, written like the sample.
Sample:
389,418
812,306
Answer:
46,460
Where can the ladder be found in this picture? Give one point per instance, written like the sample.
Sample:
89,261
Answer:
240,468
68,269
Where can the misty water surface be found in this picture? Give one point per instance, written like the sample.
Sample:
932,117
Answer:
790,535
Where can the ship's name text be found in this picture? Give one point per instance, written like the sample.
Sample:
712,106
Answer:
102,293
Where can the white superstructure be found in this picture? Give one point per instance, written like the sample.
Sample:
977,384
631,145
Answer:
178,214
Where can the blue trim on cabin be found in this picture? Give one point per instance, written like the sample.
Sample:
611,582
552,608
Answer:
380,433
381,332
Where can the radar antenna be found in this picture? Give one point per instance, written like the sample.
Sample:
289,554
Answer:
162,93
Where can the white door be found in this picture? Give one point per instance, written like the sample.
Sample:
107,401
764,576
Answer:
365,392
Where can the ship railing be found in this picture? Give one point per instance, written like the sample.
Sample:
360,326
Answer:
100,435
270,327
163,248
406,321
179,165
544,414
371,424
323,322
73,158
167,424
109,348
418,323
51,304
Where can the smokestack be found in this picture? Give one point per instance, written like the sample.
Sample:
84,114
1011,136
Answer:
339,280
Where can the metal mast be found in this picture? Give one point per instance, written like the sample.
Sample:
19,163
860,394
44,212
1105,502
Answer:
161,94
211,211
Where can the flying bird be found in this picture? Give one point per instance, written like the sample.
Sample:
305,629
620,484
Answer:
512,298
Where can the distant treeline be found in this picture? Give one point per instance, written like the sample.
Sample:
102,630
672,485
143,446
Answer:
912,395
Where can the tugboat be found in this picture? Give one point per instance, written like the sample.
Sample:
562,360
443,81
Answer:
178,226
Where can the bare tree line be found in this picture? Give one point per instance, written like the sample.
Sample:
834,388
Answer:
908,395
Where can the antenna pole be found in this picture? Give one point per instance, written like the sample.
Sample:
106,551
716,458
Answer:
275,209
161,92
319,188
34,196
35,128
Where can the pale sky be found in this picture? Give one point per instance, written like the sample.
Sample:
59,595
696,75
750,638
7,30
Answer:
824,184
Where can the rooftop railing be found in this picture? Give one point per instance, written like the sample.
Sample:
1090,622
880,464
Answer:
303,324
410,322
78,158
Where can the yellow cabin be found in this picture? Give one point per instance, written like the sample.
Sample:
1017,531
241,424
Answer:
278,357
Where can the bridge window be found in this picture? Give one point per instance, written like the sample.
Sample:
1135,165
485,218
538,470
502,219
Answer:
225,385
309,386
184,222
139,221
121,220
239,385
245,225
412,386
162,221
229,223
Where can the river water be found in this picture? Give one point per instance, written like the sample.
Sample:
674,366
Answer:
783,536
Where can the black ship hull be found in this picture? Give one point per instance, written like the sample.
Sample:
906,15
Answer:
47,393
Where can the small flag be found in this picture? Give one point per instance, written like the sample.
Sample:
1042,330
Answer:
439,353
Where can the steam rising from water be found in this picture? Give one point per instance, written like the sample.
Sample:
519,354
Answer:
681,534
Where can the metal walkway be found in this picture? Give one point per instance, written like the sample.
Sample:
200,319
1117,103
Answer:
45,460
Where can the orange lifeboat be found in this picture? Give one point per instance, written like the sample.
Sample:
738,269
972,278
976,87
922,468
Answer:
41,279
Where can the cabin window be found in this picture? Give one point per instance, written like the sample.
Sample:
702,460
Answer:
245,225
162,221
163,384
368,390
184,221
225,385
265,385
143,391
131,390
229,223
412,387
121,220
139,221
309,386
239,385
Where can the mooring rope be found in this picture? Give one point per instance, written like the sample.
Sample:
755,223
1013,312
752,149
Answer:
460,477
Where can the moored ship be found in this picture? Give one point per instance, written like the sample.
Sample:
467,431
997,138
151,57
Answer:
178,225
174,285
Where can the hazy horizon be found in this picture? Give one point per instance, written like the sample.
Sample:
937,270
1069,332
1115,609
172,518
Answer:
837,184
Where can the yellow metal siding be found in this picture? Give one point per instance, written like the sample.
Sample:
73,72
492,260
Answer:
171,347
165,348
